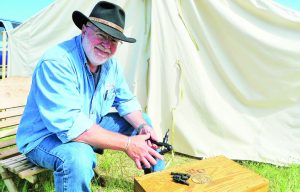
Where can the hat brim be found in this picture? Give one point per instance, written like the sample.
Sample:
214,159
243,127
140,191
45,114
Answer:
80,19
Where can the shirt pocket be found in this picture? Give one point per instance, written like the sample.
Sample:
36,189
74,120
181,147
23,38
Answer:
108,100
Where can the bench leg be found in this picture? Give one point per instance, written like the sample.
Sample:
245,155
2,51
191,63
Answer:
32,179
7,178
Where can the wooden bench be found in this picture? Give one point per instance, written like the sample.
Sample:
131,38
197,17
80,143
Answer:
13,95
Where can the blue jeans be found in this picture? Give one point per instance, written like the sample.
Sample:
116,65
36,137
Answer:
73,162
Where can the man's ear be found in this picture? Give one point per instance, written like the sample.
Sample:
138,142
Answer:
83,29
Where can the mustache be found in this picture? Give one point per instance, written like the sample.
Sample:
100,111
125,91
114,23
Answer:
103,49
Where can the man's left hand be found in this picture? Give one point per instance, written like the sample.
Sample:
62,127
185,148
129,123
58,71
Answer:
146,130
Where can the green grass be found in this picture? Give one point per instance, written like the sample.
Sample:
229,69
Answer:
282,179
119,172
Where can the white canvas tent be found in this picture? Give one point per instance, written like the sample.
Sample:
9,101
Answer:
222,75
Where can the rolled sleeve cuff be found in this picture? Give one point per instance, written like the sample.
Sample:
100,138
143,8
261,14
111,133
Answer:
81,124
128,107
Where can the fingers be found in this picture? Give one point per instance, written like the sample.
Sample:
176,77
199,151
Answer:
143,152
147,130
148,159
147,137
146,163
151,160
155,154
154,146
138,164
149,143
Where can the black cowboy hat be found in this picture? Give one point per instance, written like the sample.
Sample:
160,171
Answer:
108,17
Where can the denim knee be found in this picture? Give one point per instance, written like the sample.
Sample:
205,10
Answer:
80,165
75,168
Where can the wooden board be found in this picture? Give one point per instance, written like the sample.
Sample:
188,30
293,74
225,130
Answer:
220,174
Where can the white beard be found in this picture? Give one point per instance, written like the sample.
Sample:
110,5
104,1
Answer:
90,53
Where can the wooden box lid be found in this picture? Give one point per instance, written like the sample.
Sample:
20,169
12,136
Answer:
215,174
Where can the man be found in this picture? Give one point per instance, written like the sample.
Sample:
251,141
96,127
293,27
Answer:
73,88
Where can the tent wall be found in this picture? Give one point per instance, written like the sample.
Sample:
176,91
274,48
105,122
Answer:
223,76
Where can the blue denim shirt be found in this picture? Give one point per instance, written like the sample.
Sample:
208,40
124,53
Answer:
63,99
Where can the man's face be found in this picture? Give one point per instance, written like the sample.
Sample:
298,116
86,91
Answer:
97,45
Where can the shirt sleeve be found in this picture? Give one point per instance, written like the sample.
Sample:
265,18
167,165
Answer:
125,102
58,100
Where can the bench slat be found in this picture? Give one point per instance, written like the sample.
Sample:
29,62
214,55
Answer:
7,143
18,169
11,112
8,132
15,164
12,160
9,152
31,171
10,122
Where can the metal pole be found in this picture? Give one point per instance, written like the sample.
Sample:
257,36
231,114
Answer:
3,54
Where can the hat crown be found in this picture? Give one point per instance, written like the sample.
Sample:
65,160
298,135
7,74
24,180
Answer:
107,17
109,12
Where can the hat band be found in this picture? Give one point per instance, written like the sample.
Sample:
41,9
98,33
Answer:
117,27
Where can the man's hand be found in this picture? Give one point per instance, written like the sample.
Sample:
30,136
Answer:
148,130
141,153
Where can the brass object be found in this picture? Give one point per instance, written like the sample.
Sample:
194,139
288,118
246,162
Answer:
201,178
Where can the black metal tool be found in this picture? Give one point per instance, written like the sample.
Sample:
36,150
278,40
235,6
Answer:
164,146
183,175
178,180
180,177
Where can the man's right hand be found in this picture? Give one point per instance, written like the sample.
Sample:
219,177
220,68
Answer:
141,153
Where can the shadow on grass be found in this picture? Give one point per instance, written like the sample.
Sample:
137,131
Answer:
112,184
188,156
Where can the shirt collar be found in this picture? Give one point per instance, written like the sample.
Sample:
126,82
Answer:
81,51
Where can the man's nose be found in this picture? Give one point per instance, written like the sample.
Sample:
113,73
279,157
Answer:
106,43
